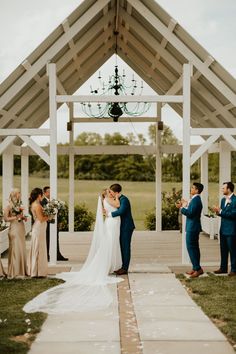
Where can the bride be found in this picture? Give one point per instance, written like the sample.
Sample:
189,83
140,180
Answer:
88,289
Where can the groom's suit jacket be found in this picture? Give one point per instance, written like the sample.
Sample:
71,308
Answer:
193,213
124,211
228,217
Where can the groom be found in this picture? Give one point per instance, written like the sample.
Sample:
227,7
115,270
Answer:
126,227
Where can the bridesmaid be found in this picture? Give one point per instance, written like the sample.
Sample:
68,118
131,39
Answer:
13,213
38,262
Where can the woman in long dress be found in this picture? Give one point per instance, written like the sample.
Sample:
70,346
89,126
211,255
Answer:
13,213
87,289
38,262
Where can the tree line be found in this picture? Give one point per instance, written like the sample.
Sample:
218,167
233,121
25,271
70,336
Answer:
123,167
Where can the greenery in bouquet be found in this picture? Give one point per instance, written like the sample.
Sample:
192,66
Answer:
50,210
3,225
59,205
17,209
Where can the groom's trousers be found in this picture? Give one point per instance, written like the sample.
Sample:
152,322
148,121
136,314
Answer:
125,244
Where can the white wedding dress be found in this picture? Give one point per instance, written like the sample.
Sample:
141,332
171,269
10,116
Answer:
87,289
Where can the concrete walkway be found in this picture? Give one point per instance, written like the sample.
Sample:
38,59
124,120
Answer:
151,314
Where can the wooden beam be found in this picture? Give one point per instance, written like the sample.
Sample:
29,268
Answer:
31,132
121,98
35,147
33,91
182,48
187,71
52,51
148,55
171,26
213,131
6,143
110,120
151,40
230,140
203,148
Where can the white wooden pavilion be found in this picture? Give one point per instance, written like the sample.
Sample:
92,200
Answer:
180,71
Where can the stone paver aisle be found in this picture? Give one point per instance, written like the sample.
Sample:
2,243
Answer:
155,315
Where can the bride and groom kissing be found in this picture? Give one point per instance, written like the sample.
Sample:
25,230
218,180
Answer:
109,254
119,224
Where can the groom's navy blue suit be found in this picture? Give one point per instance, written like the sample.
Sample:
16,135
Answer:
228,233
193,228
126,229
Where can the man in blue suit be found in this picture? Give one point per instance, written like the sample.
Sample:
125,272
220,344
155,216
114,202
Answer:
126,227
193,227
227,212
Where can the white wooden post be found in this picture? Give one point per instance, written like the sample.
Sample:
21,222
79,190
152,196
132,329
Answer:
204,181
187,68
53,155
7,175
158,173
224,165
71,171
25,180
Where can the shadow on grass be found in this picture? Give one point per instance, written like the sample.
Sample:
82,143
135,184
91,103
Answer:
17,328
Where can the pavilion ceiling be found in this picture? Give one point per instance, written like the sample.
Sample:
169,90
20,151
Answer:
149,40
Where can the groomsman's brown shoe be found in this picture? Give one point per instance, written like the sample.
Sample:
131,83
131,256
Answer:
220,271
197,273
190,272
232,274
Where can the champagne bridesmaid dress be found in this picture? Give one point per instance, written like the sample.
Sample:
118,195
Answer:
38,261
2,272
17,260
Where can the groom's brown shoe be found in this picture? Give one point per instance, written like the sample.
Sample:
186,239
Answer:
190,272
121,271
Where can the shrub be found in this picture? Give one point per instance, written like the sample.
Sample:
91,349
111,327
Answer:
169,212
84,218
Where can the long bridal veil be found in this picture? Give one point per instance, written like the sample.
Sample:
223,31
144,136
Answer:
85,290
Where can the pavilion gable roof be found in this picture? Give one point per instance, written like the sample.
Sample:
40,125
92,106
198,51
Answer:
149,40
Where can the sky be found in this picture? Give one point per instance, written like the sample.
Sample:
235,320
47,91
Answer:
24,24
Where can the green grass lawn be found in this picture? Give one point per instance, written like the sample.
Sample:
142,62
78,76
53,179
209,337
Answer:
217,297
17,328
141,194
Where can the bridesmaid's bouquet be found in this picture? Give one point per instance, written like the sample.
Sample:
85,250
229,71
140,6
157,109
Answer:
17,210
50,211
52,208
3,225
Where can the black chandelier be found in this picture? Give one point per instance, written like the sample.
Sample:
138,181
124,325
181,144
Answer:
116,86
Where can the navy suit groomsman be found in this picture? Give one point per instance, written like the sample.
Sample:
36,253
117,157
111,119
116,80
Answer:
126,227
192,211
227,212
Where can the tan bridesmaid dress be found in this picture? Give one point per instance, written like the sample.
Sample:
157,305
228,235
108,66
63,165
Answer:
2,272
17,259
38,261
